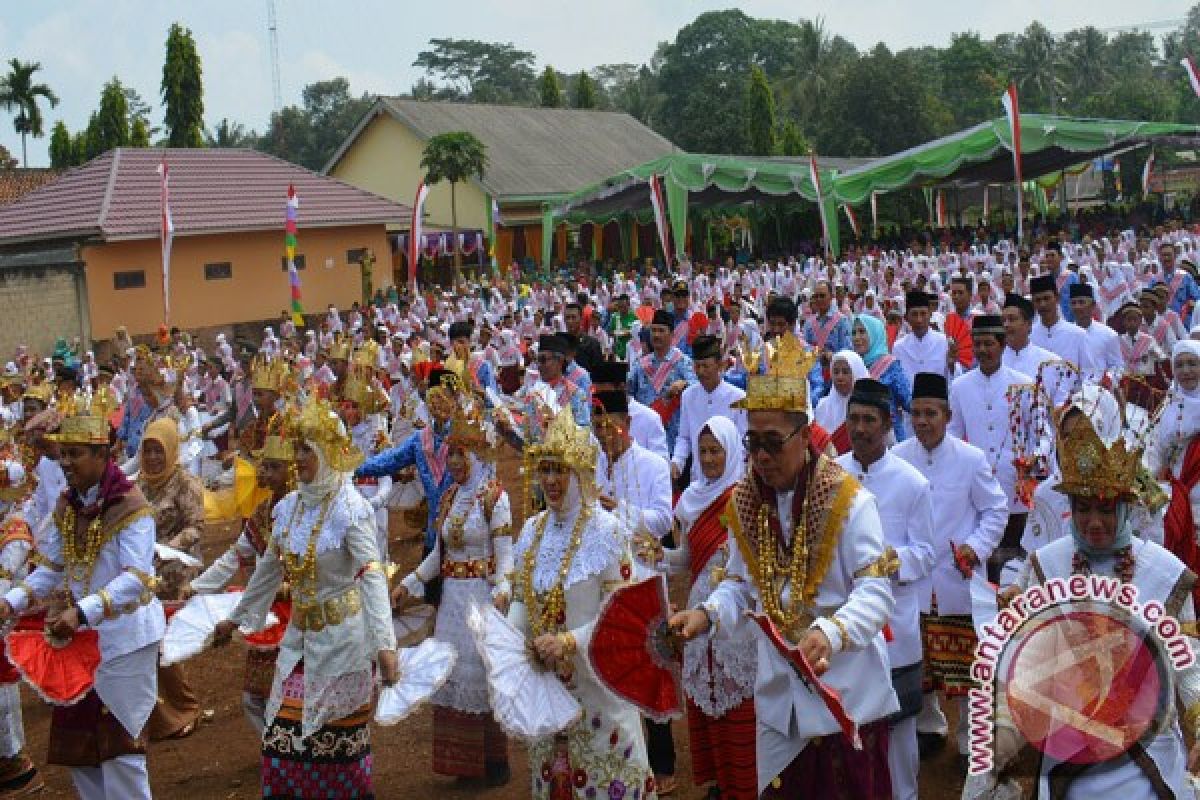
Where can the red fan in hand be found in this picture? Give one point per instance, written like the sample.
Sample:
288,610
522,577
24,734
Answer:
635,654
270,637
61,675
795,657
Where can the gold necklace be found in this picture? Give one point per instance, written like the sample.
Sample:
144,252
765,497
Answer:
550,615
81,565
301,571
795,572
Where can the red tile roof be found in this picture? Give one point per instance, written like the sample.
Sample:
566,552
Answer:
18,182
116,196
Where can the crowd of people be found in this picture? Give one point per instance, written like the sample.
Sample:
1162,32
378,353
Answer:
841,447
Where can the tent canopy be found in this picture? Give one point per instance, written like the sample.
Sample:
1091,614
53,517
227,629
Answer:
983,154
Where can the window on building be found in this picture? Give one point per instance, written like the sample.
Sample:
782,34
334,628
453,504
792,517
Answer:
299,262
130,279
219,271
356,255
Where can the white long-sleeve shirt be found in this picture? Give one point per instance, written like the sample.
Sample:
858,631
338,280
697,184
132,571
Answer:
979,409
640,482
697,407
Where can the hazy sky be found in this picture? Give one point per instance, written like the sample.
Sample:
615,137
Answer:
83,43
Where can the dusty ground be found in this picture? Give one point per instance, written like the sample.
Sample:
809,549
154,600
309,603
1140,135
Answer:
221,760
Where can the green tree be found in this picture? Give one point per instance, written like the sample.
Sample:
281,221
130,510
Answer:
229,134
79,148
19,93
548,88
585,91
482,72
112,120
183,90
1087,62
631,88
1038,69
309,135
970,79
791,141
759,115
61,153
818,58
454,157
139,134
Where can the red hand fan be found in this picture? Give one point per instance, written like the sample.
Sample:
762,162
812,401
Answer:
635,654
270,637
829,695
61,675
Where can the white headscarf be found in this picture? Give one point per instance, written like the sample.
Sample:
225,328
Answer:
324,485
831,410
702,493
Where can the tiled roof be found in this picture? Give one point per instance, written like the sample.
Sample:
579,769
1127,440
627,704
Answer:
16,183
116,196
531,151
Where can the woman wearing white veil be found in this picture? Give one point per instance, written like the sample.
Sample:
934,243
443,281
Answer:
845,368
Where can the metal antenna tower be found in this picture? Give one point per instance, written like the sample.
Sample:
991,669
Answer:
273,29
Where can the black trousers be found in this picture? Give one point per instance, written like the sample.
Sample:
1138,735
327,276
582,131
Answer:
660,747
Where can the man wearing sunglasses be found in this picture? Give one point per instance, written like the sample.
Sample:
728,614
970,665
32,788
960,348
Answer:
810,555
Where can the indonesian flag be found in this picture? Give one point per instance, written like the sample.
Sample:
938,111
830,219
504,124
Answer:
414,235
1189,66
660,216
1146,170
850,216
166,236
815,175
1013,111
875,213
940,208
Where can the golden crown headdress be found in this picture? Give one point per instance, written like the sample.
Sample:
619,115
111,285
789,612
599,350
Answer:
1091,469
567,442
361,389
341,347
85,418
470,431
784,387
271,374
278,444
39,391
320,426
367,354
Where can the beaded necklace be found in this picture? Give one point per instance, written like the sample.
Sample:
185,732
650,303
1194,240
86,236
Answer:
795,572
1123,566
81,565
301,570
545,617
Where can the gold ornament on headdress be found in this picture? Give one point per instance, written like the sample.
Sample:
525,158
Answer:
1090,469
469,431
84,418
278,445
360,388
366,355
785,385
341,348
39,391
568,443
320,426
272,374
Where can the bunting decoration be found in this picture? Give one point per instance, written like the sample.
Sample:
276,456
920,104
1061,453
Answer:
1013,111
1146,170
166,238
414,236
853,219
660,217
815,176
289,246
1189,66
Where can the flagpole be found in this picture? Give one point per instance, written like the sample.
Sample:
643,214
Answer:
166,235
1013,110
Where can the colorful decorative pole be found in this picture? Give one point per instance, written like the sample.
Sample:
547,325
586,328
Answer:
289,246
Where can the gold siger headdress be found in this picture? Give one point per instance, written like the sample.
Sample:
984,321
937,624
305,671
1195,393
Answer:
1090,469
785,385
320,426
566,442
85,418
271,374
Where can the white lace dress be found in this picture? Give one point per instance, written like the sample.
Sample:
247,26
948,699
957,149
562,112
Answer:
485,537
14,555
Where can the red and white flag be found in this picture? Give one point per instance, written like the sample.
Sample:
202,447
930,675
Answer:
940,208
166,236
987,206
660,217
414,235
874,213
1146,170
815,175
1189,66
1013,110
853,219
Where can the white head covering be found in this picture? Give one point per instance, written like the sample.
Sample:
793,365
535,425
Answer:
702,493
831,410
326,482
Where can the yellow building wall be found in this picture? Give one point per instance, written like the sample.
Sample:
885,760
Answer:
386,159
257,290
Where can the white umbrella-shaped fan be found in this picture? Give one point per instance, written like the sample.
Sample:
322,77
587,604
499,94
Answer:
423,670
190,629
528,700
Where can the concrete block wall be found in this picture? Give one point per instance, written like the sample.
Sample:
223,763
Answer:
37,304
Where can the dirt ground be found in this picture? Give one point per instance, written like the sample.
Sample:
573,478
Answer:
220,761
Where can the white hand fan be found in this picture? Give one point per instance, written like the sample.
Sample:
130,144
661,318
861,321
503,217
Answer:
190,629
167,553
423,670
528,701
413,624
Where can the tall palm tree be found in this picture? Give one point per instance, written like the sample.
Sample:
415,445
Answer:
1037,68
229,134
454,157
19,92
805,83
1087,59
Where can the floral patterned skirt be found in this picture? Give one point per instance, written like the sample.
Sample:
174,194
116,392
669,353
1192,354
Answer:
333,762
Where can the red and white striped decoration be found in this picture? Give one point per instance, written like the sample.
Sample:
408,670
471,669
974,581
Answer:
414,235
940,208
1146,170
852,218
660,216
1189,66
1012,110
166,237
874,213
815,175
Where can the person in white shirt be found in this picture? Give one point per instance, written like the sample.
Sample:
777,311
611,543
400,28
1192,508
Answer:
979,407
905,509
969,515
645,425
924,349
1051,332
1022,355
709,397
1104,346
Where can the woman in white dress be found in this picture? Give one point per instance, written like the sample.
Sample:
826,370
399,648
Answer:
473,555
1175,454
569,559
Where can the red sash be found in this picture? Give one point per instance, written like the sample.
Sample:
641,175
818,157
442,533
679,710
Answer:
1135,352
1178,525
707,535
680,333
1176,282
658,375
435,458
880,366
821,331
1160,330
841,439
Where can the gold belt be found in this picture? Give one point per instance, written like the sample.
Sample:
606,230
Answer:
334,611
475,568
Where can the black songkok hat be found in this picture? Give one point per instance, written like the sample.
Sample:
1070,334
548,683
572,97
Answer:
611,401
1013,300
460,329
870,392
1042,283
706,347
916,299
663,317
552,343
930,384
988,323
609,372
1082,289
